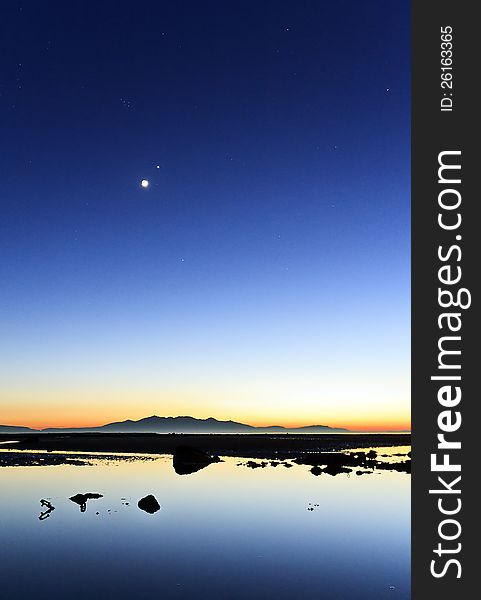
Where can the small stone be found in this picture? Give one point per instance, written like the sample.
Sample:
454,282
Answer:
149,504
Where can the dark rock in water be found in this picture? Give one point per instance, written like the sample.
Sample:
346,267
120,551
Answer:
47,503
252,464
149,504
81,499
46,513
401,467
330,469
359,456
328,458
334,463
188,460
336,470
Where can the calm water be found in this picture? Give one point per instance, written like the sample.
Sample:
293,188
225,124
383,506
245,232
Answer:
224,532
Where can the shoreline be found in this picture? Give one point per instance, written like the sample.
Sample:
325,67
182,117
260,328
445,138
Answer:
267,446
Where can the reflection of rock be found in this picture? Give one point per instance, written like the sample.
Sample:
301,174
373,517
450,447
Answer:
371,455
149,504
316,470
81,499
46,513
188,460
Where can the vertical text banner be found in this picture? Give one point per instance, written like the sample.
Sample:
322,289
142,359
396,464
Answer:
446,252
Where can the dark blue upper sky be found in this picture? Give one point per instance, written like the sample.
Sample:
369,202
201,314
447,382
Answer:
273,240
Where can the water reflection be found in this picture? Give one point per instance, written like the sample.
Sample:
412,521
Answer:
228,531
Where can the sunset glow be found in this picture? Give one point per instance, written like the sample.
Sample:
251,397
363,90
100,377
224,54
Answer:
211,241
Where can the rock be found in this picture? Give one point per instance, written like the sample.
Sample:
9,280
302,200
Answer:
81,499
255,465
329,458
187,459
359,456
46,513
149,504
336,470
401,467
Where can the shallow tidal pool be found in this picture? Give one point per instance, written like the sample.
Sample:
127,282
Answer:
226,532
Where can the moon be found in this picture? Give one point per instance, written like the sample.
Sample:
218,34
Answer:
144,183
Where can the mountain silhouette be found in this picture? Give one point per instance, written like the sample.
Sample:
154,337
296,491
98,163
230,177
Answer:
183,424
15,429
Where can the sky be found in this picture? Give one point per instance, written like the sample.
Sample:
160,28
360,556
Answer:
263,275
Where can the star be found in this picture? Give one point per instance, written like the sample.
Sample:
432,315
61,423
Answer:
144,183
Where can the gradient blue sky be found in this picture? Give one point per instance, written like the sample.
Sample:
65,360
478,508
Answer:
264,274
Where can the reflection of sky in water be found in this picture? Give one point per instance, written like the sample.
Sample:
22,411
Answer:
225,532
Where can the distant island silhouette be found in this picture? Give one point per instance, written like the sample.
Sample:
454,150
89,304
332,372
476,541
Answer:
181,424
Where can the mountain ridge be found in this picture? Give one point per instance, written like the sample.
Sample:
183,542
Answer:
179,424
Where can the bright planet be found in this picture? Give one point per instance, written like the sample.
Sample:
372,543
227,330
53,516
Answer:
144,183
